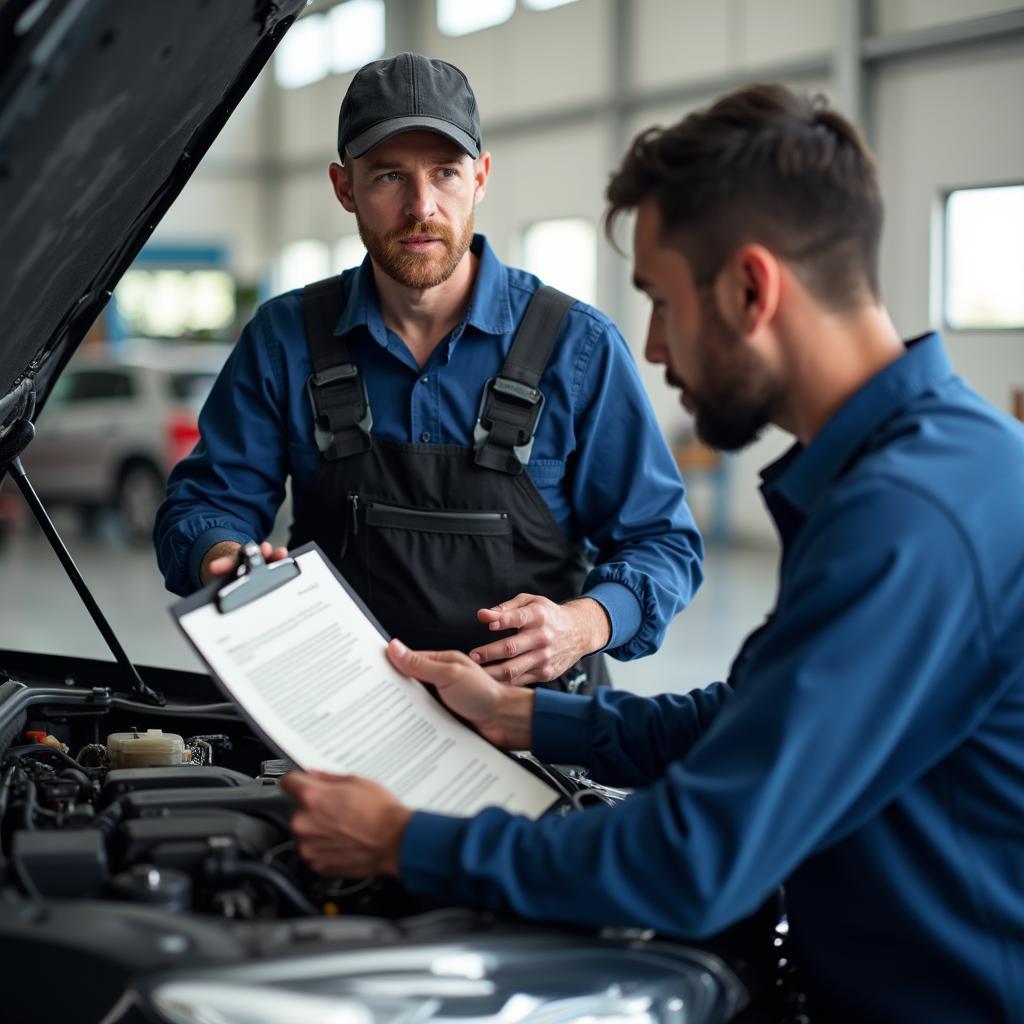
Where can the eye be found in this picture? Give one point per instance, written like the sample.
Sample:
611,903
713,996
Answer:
449,172
388,176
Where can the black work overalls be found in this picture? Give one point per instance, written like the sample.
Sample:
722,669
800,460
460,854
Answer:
427,534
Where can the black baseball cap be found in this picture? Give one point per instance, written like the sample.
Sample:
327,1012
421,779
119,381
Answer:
407,93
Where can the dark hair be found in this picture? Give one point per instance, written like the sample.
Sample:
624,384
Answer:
763,164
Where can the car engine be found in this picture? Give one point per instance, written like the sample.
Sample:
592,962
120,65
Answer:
179,822
148,816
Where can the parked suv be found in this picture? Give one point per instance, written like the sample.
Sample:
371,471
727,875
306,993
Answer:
114,426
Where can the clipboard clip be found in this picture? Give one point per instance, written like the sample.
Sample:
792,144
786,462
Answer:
254,578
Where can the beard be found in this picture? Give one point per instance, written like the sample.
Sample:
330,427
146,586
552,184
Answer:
737,397
419,270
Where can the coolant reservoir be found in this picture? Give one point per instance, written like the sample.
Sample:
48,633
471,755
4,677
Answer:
150,749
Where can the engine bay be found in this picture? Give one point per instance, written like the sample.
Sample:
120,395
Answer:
184,823
102,797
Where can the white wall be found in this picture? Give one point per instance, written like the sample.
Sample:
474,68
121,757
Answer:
903,15
677,42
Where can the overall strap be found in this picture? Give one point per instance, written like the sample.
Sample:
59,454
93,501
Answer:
336,389
511,404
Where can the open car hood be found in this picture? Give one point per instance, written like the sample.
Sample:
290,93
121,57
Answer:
106,108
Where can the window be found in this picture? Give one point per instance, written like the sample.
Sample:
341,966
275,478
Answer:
984,287
301,263
563,253
545,5
460,17
348,36
190,387
357,33
348,252
174,303
92,386
304,55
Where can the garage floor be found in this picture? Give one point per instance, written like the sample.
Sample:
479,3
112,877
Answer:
40,611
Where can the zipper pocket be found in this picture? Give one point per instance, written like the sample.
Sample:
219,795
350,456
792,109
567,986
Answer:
428,521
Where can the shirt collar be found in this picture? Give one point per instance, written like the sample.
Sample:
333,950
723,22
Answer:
489,310
803,473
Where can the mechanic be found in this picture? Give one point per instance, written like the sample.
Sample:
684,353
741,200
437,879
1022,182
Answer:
868,748
468,515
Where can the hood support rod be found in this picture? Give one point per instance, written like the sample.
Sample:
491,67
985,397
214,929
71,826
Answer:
12,444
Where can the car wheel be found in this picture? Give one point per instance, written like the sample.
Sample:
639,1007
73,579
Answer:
139,494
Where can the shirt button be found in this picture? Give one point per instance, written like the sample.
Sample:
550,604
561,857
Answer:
424,437
423,380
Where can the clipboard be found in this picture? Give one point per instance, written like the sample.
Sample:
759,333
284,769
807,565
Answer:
304,707
252,579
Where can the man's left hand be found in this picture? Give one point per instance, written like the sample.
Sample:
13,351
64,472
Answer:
346,826
550,639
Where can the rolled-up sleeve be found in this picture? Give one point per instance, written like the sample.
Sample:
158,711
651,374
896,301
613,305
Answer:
233,483
630,503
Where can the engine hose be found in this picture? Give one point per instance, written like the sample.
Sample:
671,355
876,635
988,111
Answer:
29,807
277,881
109,818
5,790
42,750
83,780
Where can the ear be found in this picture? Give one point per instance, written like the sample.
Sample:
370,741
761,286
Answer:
341,181
747,289
481,171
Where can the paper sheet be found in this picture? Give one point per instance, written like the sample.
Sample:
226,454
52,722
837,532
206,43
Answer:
308,667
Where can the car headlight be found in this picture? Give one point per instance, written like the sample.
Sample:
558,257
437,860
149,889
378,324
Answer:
511,980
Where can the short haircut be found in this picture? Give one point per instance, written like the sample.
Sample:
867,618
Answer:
763,164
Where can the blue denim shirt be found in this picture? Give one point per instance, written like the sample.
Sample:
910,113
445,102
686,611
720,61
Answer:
868,751
599,459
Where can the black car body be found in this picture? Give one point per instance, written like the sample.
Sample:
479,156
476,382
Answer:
171,893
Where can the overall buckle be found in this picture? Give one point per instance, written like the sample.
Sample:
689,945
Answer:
319,387
520,443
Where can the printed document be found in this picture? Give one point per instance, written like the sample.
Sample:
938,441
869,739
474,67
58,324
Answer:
307,667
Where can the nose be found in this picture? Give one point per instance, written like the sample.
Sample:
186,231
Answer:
420,204
654,347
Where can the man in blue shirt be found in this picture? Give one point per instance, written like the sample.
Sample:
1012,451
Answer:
474,452
867,750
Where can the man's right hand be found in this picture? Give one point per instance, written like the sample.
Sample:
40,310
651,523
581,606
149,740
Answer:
503,715
223,557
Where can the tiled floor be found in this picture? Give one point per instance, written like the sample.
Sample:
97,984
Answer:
40,611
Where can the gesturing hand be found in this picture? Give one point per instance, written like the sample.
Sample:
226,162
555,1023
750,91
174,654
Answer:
344,825
500,715
551,637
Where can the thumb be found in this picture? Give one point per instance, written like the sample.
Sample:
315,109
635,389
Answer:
427,666
295,784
